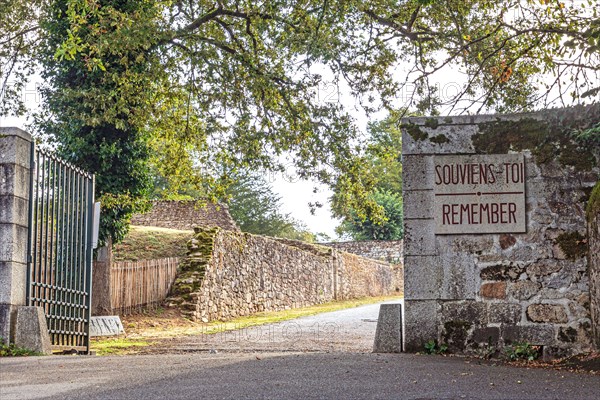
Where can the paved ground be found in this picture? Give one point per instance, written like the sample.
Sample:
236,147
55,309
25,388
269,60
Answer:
351,330
322,357
282,376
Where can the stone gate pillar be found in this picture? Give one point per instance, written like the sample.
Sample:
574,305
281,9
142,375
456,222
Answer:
19,324
476,281
15,147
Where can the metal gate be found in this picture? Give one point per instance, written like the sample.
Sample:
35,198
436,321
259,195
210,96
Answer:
60,248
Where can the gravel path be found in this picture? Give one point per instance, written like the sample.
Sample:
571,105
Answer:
351,330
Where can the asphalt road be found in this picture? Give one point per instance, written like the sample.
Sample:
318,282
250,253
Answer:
331,365
283,376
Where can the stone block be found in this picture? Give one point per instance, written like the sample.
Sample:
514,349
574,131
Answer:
470,311
543,267
13,243
553,313
504,313
388,335
455,334
493,290
489,335
13,281
419,239
14,210
422,277
474,244
420,323
459,276
417,172
31,331
534,334
524,290
15,147
14,180
501,272
418,204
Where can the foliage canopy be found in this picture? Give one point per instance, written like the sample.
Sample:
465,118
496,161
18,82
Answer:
190,86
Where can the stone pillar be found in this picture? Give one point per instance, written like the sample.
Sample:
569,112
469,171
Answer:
19,324
101,281
485,283
15,147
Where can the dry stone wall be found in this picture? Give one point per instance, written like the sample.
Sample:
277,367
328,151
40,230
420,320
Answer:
385,250
185,215
473,291
231,274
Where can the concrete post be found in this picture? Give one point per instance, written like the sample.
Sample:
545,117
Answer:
16,326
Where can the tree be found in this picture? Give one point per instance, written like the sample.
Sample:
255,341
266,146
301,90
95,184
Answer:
215,83
255,208
383,156
117,149
368,229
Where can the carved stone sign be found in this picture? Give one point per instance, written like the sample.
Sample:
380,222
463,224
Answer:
106,326
479,193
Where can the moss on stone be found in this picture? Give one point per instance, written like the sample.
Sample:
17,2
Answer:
547,140
432,123
415,131
192,269
439,139
573,244
593,204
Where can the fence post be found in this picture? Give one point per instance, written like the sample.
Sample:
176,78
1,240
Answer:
19,324
101,281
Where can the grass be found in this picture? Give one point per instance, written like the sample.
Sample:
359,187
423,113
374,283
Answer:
145,329
146,243
118,346
10,350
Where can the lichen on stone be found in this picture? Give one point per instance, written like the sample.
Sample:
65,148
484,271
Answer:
439,139
432,123
547,139
192,269
415,131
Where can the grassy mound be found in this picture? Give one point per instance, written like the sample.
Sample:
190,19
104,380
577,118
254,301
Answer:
148,242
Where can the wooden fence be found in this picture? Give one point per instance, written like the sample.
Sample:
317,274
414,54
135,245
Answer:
141,284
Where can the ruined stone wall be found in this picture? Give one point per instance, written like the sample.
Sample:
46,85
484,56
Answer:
385,250
593,214
185,215
474,291
230,274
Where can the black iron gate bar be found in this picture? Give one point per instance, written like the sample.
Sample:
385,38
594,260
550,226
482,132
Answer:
60,248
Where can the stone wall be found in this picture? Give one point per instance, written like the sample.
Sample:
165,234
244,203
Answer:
476,291
385,250
230,274
593,214
185,215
